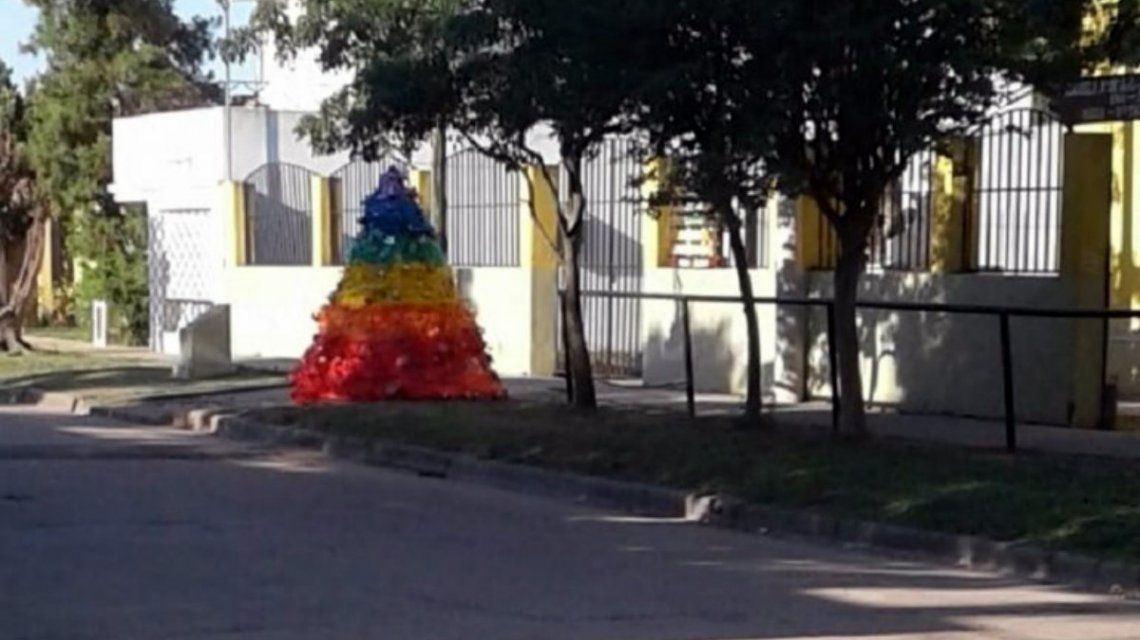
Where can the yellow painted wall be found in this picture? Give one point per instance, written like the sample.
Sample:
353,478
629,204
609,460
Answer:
231,204
1086,203
538,253
323,252
1124,254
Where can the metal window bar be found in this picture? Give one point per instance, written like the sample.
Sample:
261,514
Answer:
352,183
611,257
1016,219
279,215
482,212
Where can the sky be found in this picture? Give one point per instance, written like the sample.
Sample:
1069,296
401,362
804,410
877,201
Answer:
17,21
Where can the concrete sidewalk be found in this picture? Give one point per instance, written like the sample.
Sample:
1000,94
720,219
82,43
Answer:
811,417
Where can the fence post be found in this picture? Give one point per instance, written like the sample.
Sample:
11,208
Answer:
950,201
810,227
337,247
690,390
1086,209
232,207
658,223
832,367
420,180
538,237
322,240
1007,385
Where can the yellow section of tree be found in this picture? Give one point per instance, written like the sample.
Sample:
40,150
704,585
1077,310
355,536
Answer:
365,284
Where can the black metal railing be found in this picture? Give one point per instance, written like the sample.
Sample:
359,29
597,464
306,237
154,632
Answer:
1003,314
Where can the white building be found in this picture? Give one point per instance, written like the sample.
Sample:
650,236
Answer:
175,163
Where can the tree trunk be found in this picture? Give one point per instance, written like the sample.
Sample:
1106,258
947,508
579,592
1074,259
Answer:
439,184
11,342
740,261
578,354
16,298
570,228
852,259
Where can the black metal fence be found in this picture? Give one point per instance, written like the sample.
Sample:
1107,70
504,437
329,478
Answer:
901,237
483,210
351,184
1002,315
279,222
1015,225
612,258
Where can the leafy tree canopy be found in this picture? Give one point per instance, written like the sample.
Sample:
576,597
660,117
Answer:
106,58
17,186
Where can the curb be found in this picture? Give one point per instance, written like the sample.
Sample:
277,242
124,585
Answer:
79,405
640,499
721,511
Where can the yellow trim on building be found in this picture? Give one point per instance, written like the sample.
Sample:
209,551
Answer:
231,204
1086,203
322,216
365,284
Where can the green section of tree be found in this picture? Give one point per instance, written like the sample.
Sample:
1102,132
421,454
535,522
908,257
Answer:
871,83
829,98
491,71
710,112
832,99
106,59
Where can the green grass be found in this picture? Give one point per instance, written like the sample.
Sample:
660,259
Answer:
78,334
108,378
34,364
1079,504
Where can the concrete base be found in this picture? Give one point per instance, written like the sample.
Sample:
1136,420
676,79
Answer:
205,343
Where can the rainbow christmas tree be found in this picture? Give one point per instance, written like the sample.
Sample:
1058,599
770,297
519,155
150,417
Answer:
395,327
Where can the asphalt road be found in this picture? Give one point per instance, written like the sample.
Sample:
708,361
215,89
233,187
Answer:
116,532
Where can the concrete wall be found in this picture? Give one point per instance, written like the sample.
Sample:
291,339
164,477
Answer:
264,135
501,300
1124,257
174,149
185,149
272,310
719,332
298,83
951,364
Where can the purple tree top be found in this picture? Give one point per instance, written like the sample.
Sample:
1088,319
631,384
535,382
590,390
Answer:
392,185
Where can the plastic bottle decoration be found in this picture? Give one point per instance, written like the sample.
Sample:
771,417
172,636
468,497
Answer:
395,327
